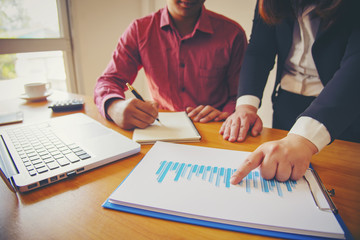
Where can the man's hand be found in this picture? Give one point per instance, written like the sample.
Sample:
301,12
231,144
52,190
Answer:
206,114
284,159
242,121
132,113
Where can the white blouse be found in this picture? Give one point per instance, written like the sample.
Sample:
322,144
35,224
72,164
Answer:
300,75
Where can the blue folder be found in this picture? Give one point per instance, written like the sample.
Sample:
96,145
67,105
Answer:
222,226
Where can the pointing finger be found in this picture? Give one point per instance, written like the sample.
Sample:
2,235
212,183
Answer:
250,163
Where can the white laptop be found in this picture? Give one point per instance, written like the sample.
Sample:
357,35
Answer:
35,155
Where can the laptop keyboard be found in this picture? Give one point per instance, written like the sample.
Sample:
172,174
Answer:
41,150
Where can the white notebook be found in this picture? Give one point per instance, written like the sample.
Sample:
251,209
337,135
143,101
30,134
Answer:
173,127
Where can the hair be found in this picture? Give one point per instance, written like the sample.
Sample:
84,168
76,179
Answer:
274,11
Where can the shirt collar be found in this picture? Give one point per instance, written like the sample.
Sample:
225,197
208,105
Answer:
308,10
165,18
203,24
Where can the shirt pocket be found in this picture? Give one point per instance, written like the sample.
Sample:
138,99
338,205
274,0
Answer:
213,66
212,77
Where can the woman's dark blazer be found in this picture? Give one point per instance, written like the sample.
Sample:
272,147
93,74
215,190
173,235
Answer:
336,53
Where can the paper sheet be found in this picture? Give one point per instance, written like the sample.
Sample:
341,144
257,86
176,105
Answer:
193,182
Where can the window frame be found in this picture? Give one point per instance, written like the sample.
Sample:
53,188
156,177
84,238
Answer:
63,43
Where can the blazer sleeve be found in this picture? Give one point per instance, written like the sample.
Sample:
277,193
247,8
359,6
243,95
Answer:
259,58
337,105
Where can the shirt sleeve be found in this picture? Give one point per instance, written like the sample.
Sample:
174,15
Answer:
122,68
248,100
312,130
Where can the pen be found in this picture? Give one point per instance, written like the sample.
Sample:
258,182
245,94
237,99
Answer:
137,95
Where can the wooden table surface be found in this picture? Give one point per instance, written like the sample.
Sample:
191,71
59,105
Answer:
71,209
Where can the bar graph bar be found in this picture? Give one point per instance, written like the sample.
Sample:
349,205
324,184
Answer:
220,177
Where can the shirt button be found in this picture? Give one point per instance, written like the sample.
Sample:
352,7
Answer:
182,65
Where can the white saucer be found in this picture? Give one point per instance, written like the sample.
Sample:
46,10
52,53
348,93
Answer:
35,99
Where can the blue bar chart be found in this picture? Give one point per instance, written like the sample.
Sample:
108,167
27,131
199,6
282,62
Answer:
220,177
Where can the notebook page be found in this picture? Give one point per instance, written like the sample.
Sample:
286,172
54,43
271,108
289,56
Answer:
173,127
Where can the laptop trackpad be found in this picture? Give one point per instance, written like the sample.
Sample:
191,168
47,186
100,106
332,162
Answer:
85,131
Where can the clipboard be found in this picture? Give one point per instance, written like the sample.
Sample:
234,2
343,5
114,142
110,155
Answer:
187,151
221,226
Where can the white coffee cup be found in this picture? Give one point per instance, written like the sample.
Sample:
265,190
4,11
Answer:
36,89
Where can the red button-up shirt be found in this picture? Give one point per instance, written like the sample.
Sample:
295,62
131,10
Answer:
201,68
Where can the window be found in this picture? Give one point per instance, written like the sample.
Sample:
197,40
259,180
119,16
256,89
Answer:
35,43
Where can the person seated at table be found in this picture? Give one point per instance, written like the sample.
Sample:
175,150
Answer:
191,57
316,93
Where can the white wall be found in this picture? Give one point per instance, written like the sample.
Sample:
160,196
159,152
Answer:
97,25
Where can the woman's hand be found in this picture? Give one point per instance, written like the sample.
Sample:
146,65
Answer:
242,121
284,159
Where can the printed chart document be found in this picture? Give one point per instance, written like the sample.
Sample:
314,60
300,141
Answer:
173,127
194,182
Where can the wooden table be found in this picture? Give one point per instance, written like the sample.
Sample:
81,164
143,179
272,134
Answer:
71,209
